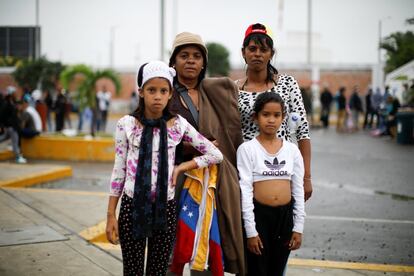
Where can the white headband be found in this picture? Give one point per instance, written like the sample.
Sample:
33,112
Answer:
157,69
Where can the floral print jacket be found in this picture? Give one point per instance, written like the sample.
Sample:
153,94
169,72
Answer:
127,142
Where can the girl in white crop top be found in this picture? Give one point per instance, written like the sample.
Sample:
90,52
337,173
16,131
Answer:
271,181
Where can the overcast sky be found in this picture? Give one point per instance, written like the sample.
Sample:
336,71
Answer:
78,31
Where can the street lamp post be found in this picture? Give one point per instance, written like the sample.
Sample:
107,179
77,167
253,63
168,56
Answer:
112,46
162,15
380,73
37,33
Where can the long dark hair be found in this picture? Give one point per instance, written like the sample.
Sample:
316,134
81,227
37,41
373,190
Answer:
268,97
139,112
262,40
202,74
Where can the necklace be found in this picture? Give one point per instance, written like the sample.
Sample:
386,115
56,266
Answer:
266,83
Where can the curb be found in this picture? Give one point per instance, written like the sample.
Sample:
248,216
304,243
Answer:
97,236
6,155
66,148
37,178
350,265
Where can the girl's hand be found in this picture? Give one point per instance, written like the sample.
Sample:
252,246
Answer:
112,229
255,245
295,241
176,172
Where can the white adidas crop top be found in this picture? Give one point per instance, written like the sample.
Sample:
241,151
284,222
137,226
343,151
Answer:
255,164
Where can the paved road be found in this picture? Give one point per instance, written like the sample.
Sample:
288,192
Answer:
361,210
363,199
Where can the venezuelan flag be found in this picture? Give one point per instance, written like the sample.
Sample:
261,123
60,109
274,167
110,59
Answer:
198,238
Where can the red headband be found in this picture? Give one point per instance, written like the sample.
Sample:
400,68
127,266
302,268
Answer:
250,31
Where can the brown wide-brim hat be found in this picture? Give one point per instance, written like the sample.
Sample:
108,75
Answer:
186,38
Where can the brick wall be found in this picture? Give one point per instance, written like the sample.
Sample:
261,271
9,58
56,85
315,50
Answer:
333,78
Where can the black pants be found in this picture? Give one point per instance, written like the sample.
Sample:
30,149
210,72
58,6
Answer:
325,116
159,245
274,225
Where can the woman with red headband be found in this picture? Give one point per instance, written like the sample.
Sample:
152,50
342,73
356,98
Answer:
261,77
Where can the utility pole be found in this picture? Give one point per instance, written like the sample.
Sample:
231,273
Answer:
111,46
37,32
309,36
380,73
162,14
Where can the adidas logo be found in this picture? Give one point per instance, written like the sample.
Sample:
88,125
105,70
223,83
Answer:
276,165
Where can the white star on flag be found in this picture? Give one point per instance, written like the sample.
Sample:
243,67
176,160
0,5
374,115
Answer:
190,214
185,208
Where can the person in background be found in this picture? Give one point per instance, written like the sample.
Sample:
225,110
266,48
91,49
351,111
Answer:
35,128
326,99
307,102
68,108
40,107
376,100
355,105
133,101
59,106
104,101
29,119
341,113
10,123
392,105
369,112
48,98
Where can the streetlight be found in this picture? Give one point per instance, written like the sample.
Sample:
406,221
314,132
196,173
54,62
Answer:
380,72
37,32
162,17
112,46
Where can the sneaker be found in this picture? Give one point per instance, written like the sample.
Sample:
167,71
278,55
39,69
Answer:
21,160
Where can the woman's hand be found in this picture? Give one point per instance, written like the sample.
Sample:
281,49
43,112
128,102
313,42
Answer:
215,143
307,186
112,233
255,245
295,241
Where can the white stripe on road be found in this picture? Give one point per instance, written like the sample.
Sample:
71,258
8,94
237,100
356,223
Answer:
360,219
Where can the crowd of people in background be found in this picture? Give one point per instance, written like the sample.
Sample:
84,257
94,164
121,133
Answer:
30,114
374,111
377,109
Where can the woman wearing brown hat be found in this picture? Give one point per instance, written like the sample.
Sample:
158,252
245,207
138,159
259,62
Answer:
210,105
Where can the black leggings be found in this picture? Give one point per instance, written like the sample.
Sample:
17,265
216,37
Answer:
159,245
274,225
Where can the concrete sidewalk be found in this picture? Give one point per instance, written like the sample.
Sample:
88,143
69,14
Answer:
40,235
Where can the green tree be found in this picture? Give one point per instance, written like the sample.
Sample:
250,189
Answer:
87,87
31,74
218,60
399,47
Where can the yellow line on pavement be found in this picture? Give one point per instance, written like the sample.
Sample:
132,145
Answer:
96,235
107,246
349,265
59,191
36,178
